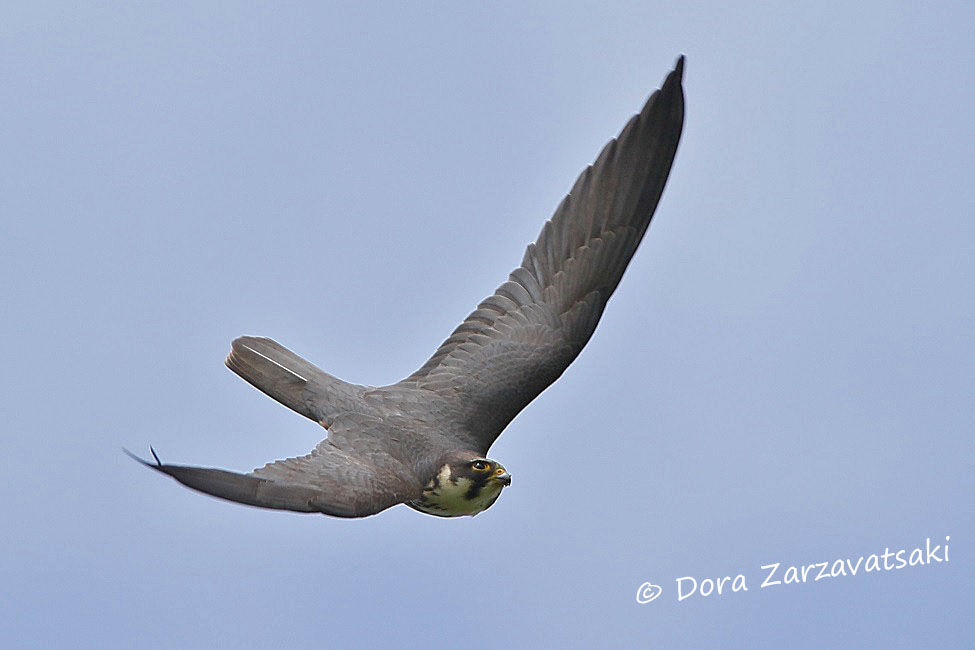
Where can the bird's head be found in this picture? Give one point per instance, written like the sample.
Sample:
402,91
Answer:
465,484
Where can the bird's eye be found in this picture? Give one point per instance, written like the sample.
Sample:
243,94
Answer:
479,465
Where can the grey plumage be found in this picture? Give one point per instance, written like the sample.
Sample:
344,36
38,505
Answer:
384,444
296,383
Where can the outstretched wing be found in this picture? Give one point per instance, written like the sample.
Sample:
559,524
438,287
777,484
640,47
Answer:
334,479
522,338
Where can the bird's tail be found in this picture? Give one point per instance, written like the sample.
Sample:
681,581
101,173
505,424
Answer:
291,380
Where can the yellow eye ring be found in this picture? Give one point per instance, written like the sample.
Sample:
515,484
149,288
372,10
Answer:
480,466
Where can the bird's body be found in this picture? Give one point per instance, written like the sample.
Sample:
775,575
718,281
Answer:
423,441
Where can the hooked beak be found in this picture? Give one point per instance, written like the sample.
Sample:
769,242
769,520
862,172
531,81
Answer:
503,479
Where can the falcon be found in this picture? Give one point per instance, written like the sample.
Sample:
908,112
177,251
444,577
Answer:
424,441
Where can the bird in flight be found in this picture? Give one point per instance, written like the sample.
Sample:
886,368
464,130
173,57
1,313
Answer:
424,440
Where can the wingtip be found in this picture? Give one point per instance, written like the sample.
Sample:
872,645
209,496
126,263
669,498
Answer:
679,68
133,456
143,460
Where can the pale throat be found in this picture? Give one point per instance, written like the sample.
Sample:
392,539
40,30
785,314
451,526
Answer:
449,496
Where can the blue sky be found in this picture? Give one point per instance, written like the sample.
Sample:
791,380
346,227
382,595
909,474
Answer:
784,375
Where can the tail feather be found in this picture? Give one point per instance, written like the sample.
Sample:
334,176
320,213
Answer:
291,380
